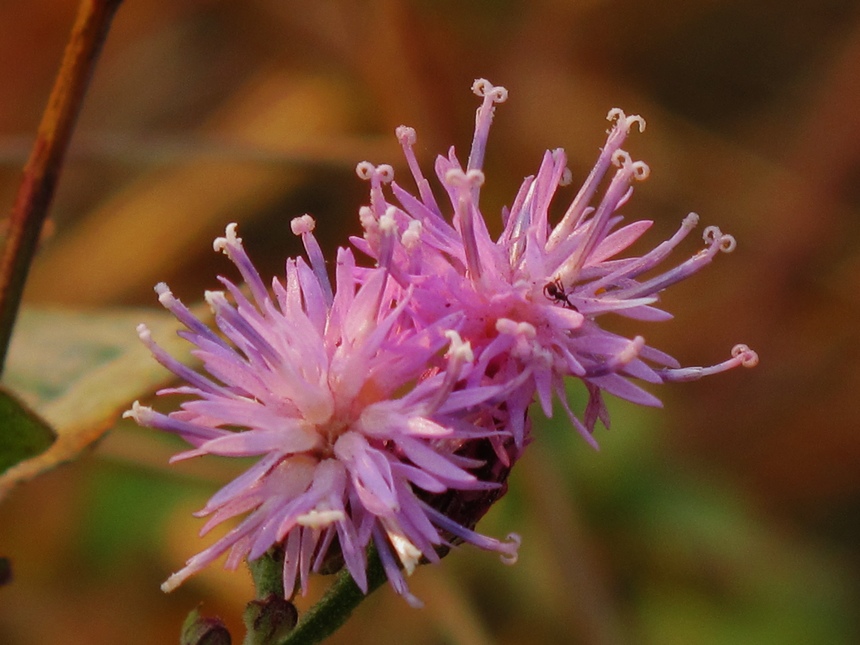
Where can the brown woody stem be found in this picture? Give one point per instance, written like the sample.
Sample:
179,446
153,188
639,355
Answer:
46,158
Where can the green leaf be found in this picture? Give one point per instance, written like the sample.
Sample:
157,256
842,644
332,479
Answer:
79,370
23,434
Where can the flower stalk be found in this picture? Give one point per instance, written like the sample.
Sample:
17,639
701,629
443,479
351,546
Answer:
327,616
42,170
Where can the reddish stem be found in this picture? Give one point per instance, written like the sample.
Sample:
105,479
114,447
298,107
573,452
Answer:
46,159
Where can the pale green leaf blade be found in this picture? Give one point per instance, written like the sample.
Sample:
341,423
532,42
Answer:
23,434
79,370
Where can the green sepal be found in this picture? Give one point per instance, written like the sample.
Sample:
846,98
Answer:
267,571
269,620
202,630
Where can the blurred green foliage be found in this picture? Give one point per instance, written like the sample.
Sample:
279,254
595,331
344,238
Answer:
24,434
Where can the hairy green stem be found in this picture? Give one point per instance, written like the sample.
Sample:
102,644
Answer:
326,617
46,158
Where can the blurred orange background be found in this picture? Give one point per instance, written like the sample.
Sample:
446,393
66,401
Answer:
730,516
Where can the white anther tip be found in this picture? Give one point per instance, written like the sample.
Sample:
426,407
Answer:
459,348
302,225
320,519
412,234
514,540
173,582
455,177
631,351
406,135
566,177
386,222
132,414
165,295
214,299
475,177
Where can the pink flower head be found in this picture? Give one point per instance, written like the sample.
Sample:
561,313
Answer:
532,298
331,391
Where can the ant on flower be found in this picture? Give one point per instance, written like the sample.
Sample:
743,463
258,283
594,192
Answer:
554,291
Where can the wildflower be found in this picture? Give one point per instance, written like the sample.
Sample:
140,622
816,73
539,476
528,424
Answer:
331,391
532,298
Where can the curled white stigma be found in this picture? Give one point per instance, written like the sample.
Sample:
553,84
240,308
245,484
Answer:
385,173
367,171
230,238
749,358
728,243
640,170
364,169
712,234
621,159
482,87
618,118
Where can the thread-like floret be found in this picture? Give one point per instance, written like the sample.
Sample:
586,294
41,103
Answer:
533,298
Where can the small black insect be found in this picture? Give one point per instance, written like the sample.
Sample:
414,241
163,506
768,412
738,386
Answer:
554,291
